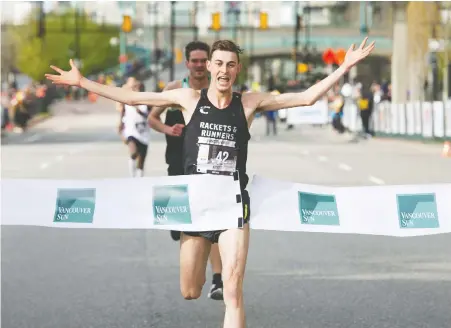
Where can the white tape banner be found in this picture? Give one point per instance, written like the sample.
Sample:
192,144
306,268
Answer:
318,113
209,202
184,203
411,210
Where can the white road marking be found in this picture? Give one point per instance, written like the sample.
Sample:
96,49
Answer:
344,167
32,138
44,166
376,180
322,158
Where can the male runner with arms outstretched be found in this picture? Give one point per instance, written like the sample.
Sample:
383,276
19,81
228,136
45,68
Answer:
196,54
221,117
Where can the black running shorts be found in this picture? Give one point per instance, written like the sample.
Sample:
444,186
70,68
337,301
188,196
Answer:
141,148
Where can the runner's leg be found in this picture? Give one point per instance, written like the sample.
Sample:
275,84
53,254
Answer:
142,151
194,253
233,246
133,151
216,266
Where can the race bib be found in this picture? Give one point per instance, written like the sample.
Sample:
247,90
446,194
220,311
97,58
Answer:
216,156
141,127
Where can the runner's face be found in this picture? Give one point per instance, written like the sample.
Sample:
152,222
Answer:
224,68
197,64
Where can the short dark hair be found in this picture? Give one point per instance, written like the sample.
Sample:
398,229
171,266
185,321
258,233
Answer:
196,45
226,45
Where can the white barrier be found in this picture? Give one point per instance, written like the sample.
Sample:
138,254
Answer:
380,210
189,203
208,202
422,119
318,113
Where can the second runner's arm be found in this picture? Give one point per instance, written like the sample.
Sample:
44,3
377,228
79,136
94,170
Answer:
155,114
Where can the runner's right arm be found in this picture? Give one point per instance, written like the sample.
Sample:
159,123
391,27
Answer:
167,98
155,116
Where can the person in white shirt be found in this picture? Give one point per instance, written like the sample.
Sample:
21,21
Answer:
135,131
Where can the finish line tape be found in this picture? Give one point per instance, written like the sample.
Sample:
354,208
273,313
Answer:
209,202
409,210
188,203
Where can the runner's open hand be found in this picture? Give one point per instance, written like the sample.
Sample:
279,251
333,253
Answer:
354,56
71,77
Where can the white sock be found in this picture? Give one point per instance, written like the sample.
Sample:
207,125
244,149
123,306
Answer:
132,166
139,173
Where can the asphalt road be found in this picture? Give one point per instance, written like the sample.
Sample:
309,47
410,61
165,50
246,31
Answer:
70,278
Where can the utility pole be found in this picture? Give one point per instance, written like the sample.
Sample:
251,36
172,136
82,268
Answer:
77,36
156,51
195,28
297,27
236,19
172,42
446,59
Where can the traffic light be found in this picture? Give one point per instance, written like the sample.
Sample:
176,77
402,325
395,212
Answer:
340,55
263,21
178,56
302,68
216,21
127,24
298,22
329,56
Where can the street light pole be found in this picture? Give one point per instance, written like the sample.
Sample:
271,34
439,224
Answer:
195,27
77,35
296,39
446,59
156,51
172,41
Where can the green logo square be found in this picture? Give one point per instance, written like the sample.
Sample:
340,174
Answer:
75,205
318,209
171,205
417,211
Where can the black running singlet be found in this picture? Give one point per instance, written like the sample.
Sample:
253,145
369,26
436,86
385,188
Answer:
216,140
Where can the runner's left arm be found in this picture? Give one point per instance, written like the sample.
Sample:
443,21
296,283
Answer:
270,102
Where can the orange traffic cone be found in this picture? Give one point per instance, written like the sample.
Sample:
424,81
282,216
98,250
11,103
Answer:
446,152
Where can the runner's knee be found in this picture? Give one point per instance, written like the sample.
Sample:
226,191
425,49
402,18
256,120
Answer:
191,291
232,279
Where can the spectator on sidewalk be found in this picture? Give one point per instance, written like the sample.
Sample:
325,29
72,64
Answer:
365,104
271,118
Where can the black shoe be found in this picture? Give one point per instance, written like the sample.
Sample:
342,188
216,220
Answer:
216,292
175,235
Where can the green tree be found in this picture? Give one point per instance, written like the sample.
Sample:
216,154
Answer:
8,52
34,55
